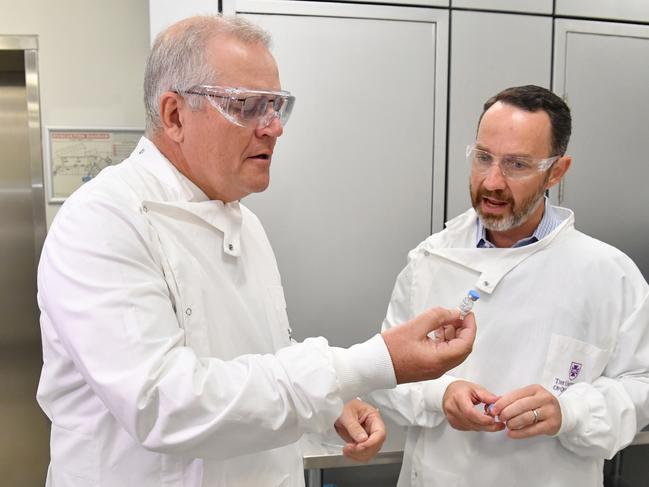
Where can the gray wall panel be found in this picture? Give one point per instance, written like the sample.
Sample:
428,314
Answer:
351,186
489,52
599,72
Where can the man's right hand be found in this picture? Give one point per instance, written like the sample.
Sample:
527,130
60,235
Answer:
459,404
416,356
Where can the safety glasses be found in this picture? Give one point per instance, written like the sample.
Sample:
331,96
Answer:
512,167
247,108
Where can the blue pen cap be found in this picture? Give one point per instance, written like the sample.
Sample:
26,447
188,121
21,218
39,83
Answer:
473,294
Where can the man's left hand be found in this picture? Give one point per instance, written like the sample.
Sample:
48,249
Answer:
527,412
361,426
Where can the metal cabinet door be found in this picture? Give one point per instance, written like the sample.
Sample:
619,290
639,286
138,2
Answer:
633,10
602,70
359,173
489,52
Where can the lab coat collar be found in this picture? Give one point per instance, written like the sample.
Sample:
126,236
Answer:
458,245
182,194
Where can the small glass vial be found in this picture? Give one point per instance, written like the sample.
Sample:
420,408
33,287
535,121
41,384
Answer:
467,303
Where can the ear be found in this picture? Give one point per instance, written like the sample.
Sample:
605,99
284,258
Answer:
558,170
171,116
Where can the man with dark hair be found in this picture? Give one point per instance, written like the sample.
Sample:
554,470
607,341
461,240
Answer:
559,379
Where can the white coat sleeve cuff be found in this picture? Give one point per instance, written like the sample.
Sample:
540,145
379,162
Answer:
572,407
363,368
434,391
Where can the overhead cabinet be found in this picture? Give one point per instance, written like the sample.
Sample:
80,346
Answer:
631,10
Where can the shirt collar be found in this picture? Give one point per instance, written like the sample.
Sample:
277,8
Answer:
551,220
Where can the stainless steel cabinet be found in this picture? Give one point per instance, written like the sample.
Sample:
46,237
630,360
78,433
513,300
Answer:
489,52
602,70
358,177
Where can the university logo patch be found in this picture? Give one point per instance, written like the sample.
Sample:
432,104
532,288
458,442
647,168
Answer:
575,368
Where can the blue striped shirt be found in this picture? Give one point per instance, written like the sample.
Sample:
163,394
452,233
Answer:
549,222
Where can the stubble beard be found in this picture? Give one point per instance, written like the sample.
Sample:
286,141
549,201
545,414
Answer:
519,213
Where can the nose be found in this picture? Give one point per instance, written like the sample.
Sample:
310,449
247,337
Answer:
494,179
273,129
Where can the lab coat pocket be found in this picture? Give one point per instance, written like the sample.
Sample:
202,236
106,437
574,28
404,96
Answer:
74,459
570,361
277,317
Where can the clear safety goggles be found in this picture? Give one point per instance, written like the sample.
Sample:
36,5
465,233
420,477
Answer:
512,167
247,108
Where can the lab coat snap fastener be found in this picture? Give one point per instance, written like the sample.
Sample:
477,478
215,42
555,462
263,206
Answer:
486,283
141,151
144,208
230,247
426,253
188,311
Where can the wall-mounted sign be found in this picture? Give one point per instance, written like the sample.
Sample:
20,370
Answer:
76,155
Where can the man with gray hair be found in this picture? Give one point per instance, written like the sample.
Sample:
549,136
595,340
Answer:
168,358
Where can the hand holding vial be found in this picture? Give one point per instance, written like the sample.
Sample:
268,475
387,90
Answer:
447,332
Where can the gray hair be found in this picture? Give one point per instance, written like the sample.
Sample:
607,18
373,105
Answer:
177,60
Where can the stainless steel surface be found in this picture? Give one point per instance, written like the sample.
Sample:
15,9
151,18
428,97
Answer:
21,200
337,460
321,452
35,150
24,441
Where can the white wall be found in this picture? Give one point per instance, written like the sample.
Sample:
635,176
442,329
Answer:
91,60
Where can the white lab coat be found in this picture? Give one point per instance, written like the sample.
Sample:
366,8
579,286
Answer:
567,299
165,341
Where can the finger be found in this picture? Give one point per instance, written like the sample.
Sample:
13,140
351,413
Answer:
342,432
367,449
449,332
472,417
519,408
523,420
433,318
511,397
445,333
467,329
358,453
534,430
350,421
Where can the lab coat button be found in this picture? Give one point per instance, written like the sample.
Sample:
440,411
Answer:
486,283
141,151
188,311
426,253
230,247
144,208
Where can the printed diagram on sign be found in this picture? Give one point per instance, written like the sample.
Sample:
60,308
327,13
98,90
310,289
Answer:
76,156
80,162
